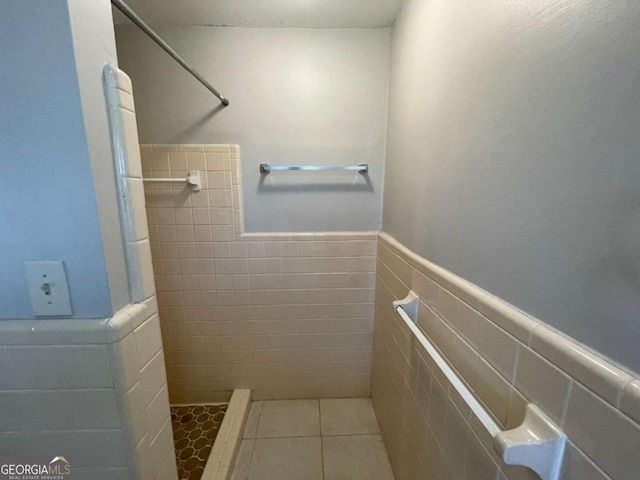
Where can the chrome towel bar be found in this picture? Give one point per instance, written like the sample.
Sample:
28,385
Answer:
266,168
193,180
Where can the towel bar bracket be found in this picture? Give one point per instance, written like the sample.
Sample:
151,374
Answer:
537,444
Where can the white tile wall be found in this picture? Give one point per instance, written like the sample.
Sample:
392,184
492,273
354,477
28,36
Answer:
137,358
507,359
93,394
124,141
287,315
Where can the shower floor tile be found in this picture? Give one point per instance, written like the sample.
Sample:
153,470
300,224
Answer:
283,441
194,429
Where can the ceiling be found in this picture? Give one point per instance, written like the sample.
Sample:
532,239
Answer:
266,13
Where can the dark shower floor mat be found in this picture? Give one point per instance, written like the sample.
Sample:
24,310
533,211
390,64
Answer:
194,430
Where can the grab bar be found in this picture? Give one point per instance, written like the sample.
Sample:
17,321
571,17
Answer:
537,444
266,168
192,179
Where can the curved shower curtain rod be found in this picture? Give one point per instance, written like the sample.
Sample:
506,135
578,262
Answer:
133,16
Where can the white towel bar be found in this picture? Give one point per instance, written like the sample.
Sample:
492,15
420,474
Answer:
193,180
537,444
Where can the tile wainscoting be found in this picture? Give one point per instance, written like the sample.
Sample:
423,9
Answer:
507,359
287,315
94,391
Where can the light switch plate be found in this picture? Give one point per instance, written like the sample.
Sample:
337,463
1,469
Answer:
48,289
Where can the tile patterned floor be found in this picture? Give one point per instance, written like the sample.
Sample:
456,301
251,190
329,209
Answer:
194,429
335,439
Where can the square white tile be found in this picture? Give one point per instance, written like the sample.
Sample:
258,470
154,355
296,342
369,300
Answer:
289,418
355,457
348,416
286,459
